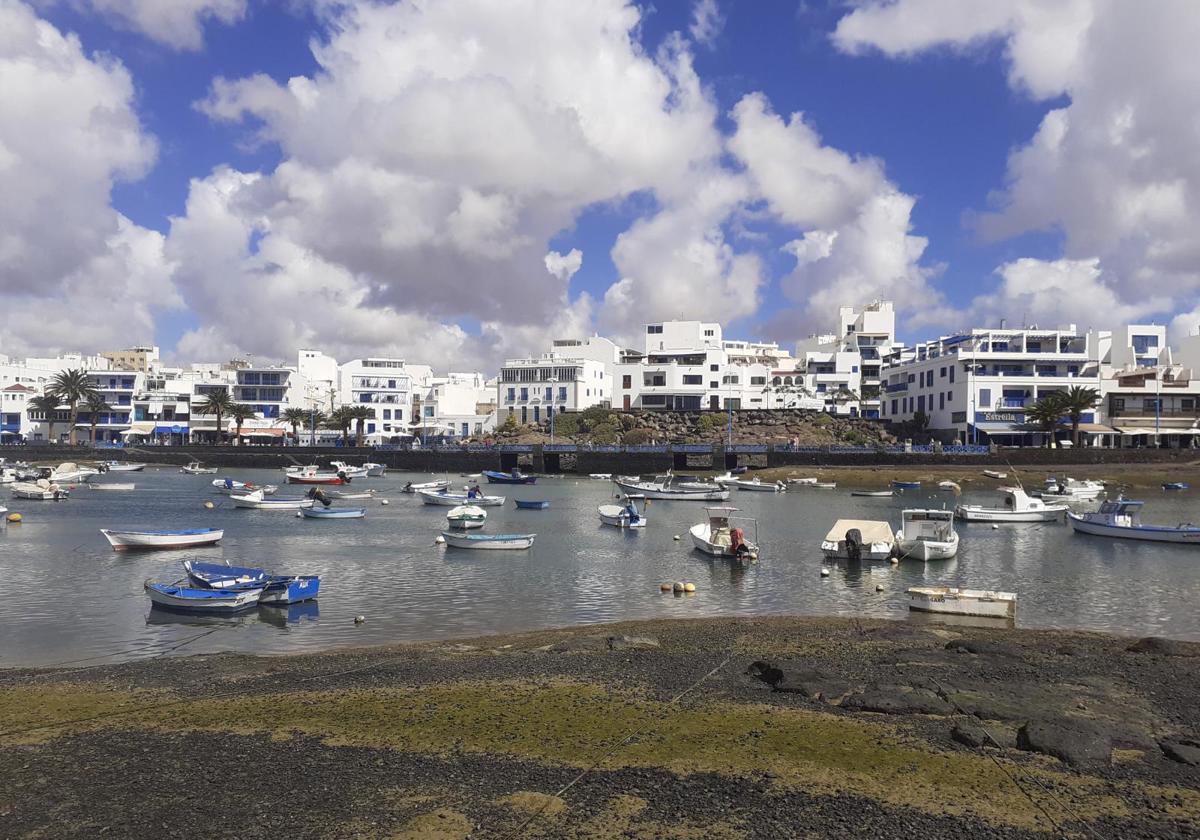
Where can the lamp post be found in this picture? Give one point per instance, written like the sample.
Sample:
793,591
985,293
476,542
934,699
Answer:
553,380
729,407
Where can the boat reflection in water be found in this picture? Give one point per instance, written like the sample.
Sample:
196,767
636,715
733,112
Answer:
276,616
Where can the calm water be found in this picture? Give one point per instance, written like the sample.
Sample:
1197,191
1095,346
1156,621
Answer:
69,598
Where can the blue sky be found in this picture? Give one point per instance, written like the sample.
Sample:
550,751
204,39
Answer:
940,113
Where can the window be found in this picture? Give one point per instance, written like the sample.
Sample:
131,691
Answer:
654,329
921,403
958,417
714,368
942,373
627,381
562,393
951,373
387,414
708,333
949,396
1187,404
714,384
653,399
512,394
693,379
894,407
912,378
550,392
758,380
941,401
428,411
1072,370
524,394
854,368
985,396
1151,405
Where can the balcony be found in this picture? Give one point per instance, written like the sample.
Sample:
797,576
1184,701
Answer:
896,387
1013,402
1164,414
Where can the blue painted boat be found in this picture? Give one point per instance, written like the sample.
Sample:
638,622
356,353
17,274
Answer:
523,504
290,589
172,596
1122,519
1176,485
906,485
221,576
514,477
334,513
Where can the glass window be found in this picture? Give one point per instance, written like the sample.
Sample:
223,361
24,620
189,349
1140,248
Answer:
951,373
985,397
562,393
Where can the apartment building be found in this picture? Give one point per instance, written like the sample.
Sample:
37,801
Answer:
533,389
843,369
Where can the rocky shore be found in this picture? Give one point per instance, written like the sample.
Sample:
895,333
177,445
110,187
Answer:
722,728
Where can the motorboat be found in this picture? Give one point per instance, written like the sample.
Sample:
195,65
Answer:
301,468
995,474
353,494
1015,506
667,488
202,600
347,471
447,499
600,476
514,477
622,516
375,470
725,480
873,493
1070,488
40,490
257,501
811,480
950,600
759,485
333,513
1176,485
230,486
70,473
428,485
1121,518
121,466
531,504
185,538
488,541
719,537
112,485
466,517
321,478
926,535
859,539
906,485
196,468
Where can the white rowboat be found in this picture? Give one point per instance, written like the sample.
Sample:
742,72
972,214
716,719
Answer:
951,601
466,517
256,501
188,538
488,541
445,499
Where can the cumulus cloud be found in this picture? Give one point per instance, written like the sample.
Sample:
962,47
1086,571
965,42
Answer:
75,274
1116,170
176,23
564,266
707,22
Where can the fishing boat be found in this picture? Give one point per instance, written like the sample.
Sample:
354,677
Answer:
229,486
428,485
666,488
719,537
447,499
68,473
1121,519
347,471
257,501
995,474
803,481
40,490
375,470
859,539
322,478
333,513
514,477
185,538
353,494
872,493
1176,485
224,576
202,600
949,600
466,517
725,480
196,468
112,485
823,485
622,516
757,484
488,541
906,485
1015,506
528,504
1070,488
121,466
926,535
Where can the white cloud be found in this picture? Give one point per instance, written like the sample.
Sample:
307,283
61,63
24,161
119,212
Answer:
74,273
176,23
564,266
707,22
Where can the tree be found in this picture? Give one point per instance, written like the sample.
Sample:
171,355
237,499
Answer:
218,403
340,419
920,421
48,405
1046,413
1075,401
95,404
72,387
296,417
361,414
240,413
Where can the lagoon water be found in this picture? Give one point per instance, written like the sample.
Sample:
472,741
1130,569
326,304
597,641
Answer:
69,599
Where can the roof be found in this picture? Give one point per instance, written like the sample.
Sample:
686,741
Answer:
872,530
22,388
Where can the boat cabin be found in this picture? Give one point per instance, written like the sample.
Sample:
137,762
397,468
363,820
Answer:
1124,513
1016,499
932,525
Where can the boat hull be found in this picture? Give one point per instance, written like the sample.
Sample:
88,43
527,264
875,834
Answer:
147,540
290,589
334,513
429,485
125,467
525,505
1146,533
925,549
618,517
950,601
271,504
658,492
974,513
456,499
758,486
874,551
871,493
701,535
496,542
333,480
505,478
210,601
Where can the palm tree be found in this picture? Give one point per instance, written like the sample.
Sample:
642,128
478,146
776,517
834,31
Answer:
46,404
361,415
240,412
341,418
72,387
296,417
1077,400
1046,412
95,404
218,403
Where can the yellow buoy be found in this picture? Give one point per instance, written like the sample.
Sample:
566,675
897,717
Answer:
689,587
14,517
208,505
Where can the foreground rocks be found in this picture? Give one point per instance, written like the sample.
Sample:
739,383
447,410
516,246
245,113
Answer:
782,728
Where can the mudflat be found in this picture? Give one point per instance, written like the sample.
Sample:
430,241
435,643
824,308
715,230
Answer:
718,728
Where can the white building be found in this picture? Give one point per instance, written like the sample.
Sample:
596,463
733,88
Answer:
843,369
388,386
458,405
321,378
533,389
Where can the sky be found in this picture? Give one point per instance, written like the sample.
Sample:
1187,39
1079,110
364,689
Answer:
461,182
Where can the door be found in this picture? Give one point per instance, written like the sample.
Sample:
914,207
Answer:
714,402
626,402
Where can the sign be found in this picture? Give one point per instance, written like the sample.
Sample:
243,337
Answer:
1000,416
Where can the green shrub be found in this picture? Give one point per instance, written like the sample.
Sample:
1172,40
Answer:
606,433
709,422
566,423
822,420
638,436
628,422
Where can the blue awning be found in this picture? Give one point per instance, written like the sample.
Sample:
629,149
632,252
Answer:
170,430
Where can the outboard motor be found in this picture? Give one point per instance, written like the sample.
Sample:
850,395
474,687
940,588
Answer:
342,475
854,544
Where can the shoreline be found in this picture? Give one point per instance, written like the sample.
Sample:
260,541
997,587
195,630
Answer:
845,727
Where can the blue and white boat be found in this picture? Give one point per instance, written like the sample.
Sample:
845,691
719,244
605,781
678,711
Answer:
172,596
488,541
1121,519
290,589
524,504
222,576
334,513
906,485
514,477
1176,485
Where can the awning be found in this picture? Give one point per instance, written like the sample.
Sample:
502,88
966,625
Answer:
139,429
1133,431
170,430
1003,428
264,432
1095,429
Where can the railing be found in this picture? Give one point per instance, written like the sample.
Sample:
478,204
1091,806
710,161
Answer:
749,448
559,447
695,448
515,447
1165,413
1011,402
645,447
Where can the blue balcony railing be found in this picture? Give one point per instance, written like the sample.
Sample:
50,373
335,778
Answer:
695,448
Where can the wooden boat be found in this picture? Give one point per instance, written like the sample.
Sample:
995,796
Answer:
40,490
290,589
201,600
859,539
949,600
333,513
525,504
229,487
824,485
185,538
718,537
926,535
1176,485
622,516
995,474
448,499
906,485
872,493
757,484
947,484
1121,519
514,477
803,481
1016,506
114,485
353,494
256,501
196,468
668,489
488,541
224,576
465,517
428,485
1070,488
318,478
121,466
375,470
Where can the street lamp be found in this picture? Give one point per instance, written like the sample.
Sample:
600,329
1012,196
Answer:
553,380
